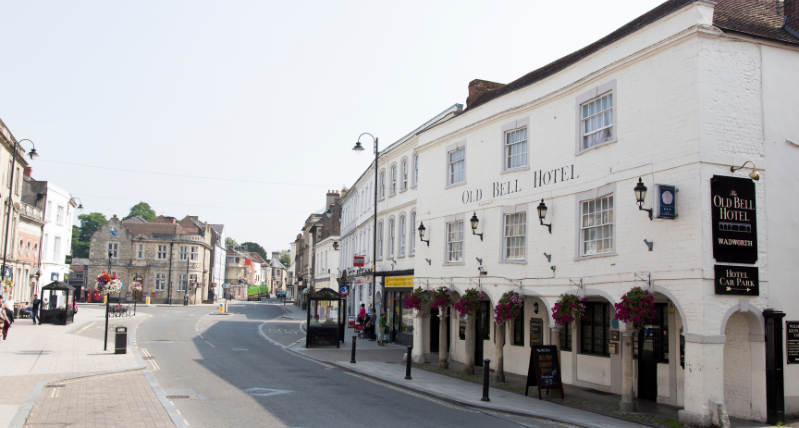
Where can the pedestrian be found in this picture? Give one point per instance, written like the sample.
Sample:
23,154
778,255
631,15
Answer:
74,309
381,329
9,314
362,319
37,303
371,325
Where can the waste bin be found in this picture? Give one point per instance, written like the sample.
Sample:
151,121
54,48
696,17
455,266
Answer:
121,340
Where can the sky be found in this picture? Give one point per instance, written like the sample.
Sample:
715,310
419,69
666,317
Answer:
244,113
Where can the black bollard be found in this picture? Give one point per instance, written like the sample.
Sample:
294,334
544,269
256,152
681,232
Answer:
408,365
352,359
486,362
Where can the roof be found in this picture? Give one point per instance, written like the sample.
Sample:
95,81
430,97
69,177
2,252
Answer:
276,264
150,229
762,18
58,285
135,219
257,257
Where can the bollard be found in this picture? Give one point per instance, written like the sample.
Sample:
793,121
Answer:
486,363
352,359
408,365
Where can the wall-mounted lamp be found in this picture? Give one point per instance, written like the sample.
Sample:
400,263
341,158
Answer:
421,230
335,245
754,175
475,221
548,256
542,213
535,308
640,195
429,262
479,260
649,244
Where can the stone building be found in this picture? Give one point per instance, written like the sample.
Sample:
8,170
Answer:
318,227
170,258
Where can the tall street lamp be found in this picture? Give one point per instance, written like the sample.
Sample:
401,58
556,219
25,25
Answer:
358,149
33,155
107,303
186,286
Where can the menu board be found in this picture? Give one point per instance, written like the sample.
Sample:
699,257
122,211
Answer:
792,341
536,332
544,369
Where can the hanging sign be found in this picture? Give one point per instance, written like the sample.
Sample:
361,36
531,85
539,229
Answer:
357,261
666,201
398,281
792,341
734,219
344,290
536,332
544,369
737,280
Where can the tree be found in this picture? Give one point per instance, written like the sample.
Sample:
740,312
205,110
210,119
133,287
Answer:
230,242
90,223
80,249
285,258
143,210
255,248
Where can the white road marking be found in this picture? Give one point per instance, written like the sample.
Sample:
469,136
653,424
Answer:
210,343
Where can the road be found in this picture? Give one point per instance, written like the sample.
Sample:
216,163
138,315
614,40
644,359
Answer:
220,371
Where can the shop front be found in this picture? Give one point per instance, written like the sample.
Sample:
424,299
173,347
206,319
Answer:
398,318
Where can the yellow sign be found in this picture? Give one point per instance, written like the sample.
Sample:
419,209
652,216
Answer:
399,281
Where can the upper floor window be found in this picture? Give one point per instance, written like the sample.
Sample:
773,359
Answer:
415,169
393,180
160,282
402,236
391,238
404,175
597,119
382,184
161,254
49,211
57,250
113,249
139,251
596,228
457,166
182,280
413,232
516,149
195,254
455,241
183,253
515,236
380,240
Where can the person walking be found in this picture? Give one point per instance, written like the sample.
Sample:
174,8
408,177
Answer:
37,303
9,314
362,320
370,327
381,329
3,318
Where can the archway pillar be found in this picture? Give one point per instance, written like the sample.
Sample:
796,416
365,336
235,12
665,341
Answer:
704,379
421,342
627,403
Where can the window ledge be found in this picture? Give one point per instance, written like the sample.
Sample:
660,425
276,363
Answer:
596,256
461,183
401,257
403,191
414,186
595,355
611,141
392,195
521,168
514,262
453,264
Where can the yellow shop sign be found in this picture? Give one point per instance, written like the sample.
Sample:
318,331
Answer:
398,281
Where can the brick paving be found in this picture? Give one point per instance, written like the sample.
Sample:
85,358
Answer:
119,400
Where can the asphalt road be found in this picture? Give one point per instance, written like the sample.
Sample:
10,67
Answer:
224,373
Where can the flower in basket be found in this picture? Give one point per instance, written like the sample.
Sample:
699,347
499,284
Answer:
416,299
108,283
636,306
508,307
135,286
442,298
568,308
7,285
469,302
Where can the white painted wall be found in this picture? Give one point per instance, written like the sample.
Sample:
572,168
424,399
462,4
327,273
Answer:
56,230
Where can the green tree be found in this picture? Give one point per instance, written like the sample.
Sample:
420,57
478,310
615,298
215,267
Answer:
90,223
285,258
255,248
79,248
143,210
230,242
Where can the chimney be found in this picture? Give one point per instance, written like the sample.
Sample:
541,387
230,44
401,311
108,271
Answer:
479,87
276,255
28,171
791,11
332,195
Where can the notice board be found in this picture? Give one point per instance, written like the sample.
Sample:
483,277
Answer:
792,341
544,369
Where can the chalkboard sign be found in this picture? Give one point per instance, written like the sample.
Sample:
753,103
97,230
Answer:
544,369
792,341
536,332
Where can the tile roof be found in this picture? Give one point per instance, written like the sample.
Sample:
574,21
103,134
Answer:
762,18
150,229
257,257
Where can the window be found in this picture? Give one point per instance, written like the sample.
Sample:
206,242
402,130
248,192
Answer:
382,184
596,227
183,253
597,121
193,278
28,248
113,249
182,282
59,218
393,180
380,241
455,241
566,337
139,251
160,282
595,329
655,335
391,238
516,149
57,250
457,166
518,328
195,254
49,210
21,246
415,169
402,236
161,254
515,234
413,233
404,175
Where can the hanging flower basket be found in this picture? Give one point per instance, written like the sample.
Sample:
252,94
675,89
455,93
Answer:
108,283
508,307
468,304
416,299
442,298
636,306
135,286
8,286
568,308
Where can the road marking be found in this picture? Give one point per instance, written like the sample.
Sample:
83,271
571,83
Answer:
151,359
424,397
210,343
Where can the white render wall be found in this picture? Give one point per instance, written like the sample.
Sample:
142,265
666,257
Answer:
56,197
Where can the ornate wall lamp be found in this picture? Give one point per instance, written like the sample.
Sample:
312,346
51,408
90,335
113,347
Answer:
754,175
475,221
421,230
542,213
640,195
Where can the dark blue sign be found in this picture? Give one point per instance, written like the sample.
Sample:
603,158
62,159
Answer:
666,201
344,289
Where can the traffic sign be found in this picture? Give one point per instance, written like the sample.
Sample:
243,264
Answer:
344,289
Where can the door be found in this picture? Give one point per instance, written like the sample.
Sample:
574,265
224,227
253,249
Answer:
649,345
434,330
482,319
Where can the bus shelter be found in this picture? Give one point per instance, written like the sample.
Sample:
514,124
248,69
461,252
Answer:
57,303
325,318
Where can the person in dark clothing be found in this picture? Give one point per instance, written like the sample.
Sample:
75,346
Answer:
37,303
9,320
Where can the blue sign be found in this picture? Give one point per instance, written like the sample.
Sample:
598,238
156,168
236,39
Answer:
666,201
344,289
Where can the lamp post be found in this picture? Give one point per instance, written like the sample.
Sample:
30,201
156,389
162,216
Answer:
137,279
107,303
186,287
358,149
33,155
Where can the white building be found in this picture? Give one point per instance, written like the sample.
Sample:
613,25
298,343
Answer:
219,255
326,259
59,216
674,98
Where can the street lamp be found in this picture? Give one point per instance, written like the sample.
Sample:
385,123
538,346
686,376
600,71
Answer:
754,175
138,279
640,195
33,155
358,149
542,213
80,203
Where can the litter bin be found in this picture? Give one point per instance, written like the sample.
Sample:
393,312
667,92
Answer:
121,340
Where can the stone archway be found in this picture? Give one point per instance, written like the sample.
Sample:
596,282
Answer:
744,358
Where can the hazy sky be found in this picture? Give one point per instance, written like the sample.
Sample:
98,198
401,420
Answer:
260,101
